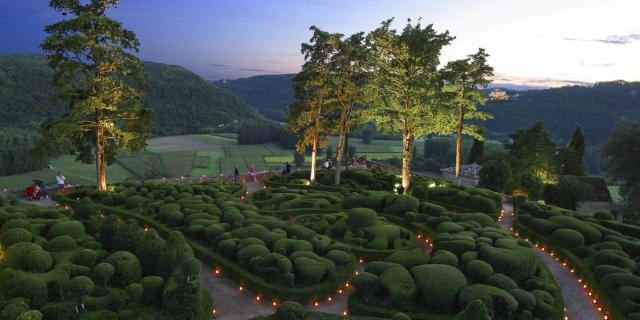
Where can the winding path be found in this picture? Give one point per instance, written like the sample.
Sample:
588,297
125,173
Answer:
578,304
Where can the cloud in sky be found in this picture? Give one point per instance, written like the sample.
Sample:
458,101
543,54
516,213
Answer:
217,65
535,81
258,70
598,65
613,39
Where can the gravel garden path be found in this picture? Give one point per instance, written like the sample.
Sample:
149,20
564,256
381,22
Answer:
578,304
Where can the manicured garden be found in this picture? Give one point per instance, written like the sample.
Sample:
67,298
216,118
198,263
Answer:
602,251
427,257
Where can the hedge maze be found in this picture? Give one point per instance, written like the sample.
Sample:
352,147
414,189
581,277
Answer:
438,253
60,265
605,253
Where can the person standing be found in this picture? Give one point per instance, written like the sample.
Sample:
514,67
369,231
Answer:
252,171
236,173
60,181
283,169
288,167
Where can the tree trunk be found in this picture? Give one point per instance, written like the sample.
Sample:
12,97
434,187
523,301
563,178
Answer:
345,150
407,142
314,152
101,181
340,148
459,146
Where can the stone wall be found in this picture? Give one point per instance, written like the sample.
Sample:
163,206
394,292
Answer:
467,182
590,207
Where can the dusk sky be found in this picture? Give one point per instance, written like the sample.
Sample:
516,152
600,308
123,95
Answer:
547,43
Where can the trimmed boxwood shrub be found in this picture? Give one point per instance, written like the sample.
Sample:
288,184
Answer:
136,201
476,310
603,215
478,270
399,284
13,236
80,286
568,238
409,258
439,285
61,243
449,227
502,304
33,289
501,281
38,261
307,271
481,204
361,217
444,257
102,273
517,264
152,287
366,283
544,303
250,251
85,257
603,270
526,300
339,257
458,247
74,229
615,258
290,310
126,268
591,234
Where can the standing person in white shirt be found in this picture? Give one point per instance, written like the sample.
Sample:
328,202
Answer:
60,180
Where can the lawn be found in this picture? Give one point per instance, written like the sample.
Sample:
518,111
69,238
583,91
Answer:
214,163
75,172
210,139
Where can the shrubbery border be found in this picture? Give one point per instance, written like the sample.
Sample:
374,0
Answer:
581,268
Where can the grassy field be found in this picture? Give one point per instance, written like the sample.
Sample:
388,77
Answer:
176,156
615,193
75,172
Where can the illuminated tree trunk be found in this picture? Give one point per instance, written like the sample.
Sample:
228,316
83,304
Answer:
459,145
314,152
340,147
101,181
407,142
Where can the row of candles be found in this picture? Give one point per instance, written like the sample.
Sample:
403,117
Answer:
566,265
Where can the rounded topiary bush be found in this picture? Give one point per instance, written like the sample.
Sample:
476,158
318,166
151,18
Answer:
501,281
366,283
526,300
603,270
615,258
74,229
409,258
290,310
439,285
86,208
482,204
80,286
544,303
16,223
14,308
32,288
591,234
152,287
603,215
250,251
399,284
126,268
478,270
568,238
85,257
476,310
445,257
449,227
307,271
361,217
400,316
339,257
13,236
61,243
500,303
38,261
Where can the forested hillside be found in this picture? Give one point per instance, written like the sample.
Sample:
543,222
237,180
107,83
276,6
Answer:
269,94
182,101
598,109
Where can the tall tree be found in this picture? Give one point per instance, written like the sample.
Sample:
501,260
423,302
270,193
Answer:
307,118
407,85
577,144
620,155
97,74
477,149
349,75
532,151
465,80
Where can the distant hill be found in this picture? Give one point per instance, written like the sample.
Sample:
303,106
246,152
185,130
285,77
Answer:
270,94
597,108
182,101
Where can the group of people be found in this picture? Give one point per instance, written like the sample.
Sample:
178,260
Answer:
285,168
38,190
236,172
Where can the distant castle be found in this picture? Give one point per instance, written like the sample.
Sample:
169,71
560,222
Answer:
498,94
